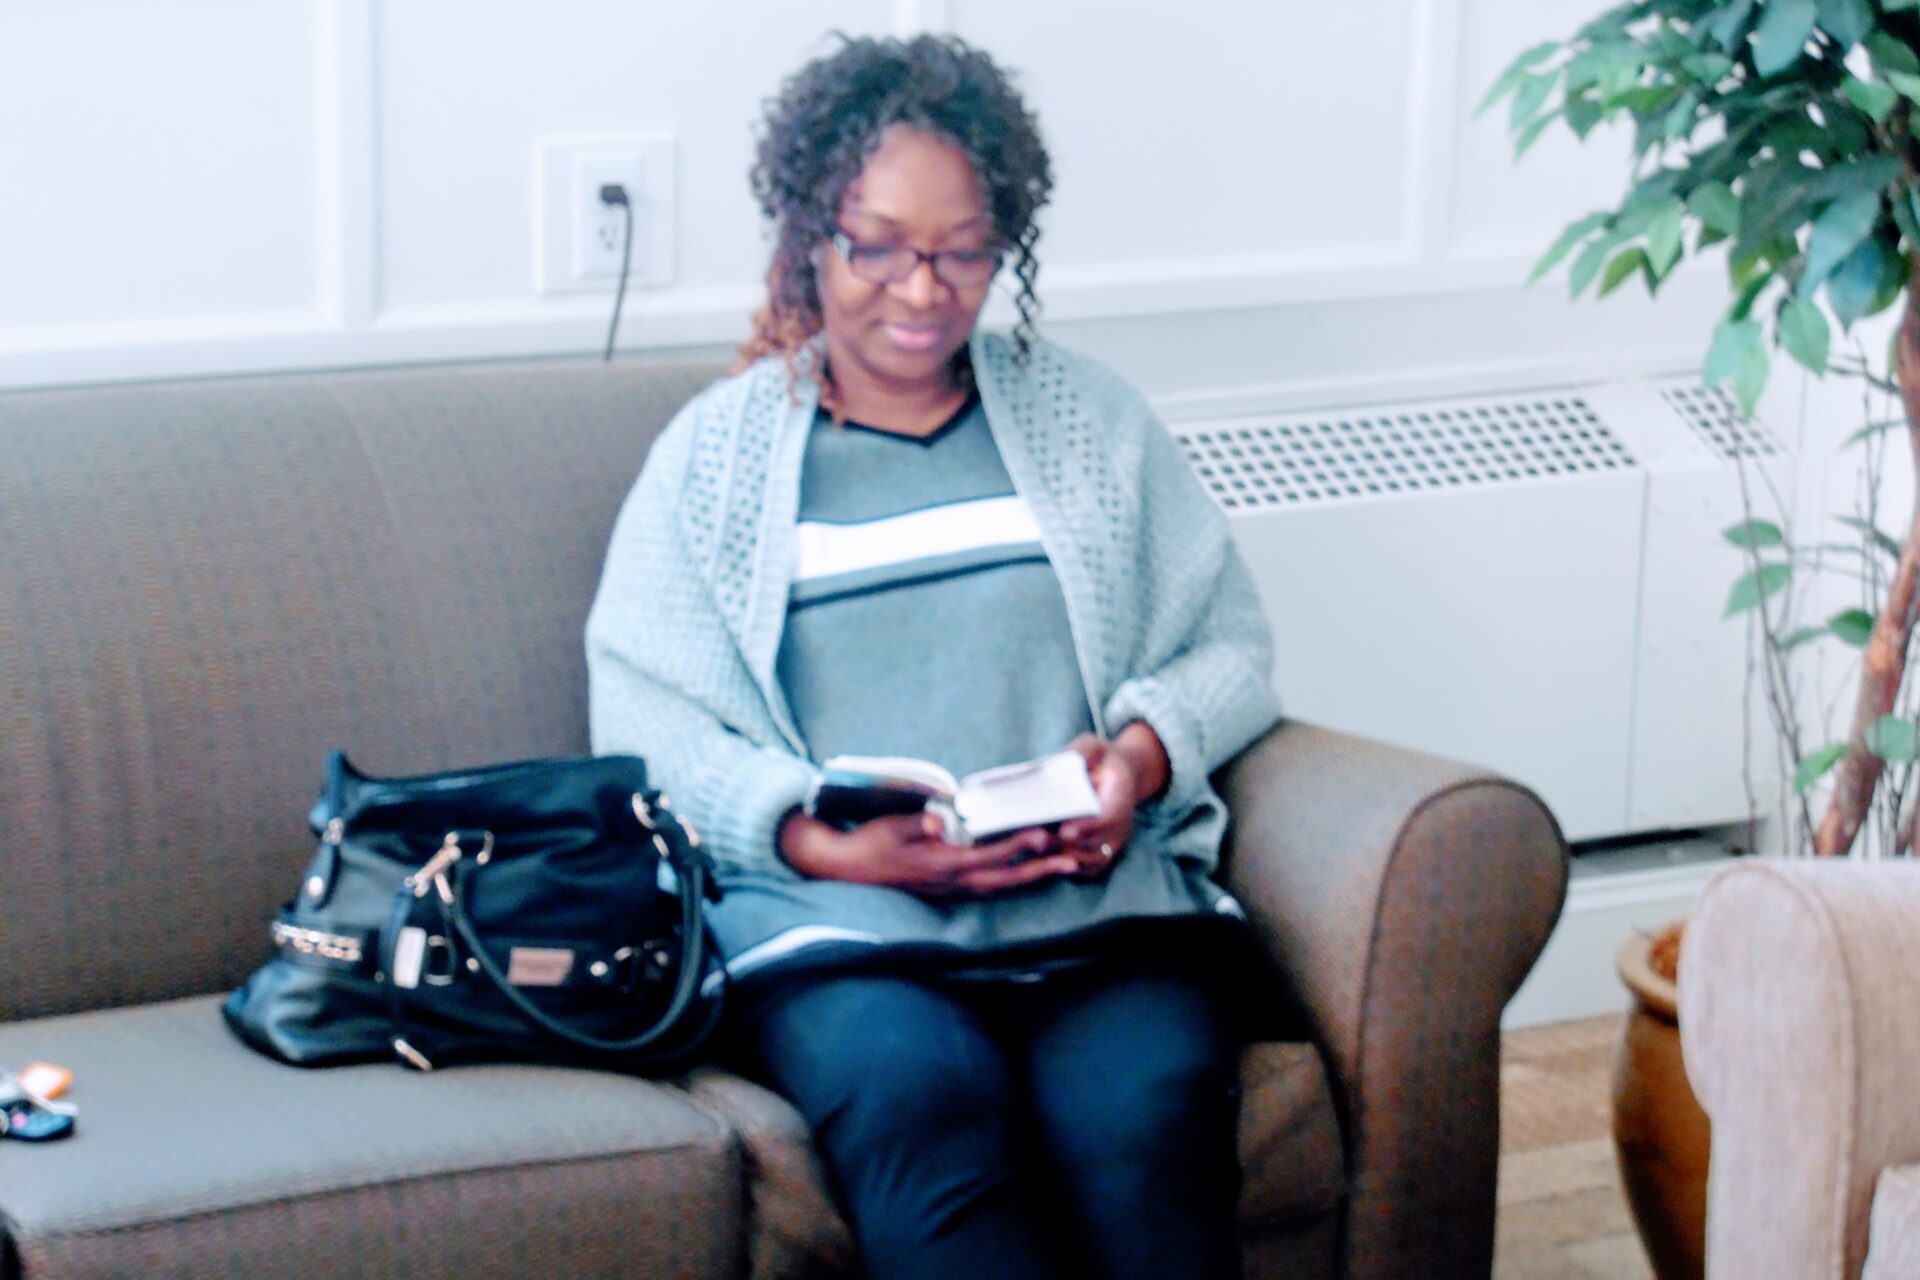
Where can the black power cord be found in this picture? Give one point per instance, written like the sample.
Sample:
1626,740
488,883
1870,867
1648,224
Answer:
613,193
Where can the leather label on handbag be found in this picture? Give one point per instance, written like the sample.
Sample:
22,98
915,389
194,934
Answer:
538,966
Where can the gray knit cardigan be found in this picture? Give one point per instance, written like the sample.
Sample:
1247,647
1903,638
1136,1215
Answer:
685,630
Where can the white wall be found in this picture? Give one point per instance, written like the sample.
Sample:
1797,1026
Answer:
1257,204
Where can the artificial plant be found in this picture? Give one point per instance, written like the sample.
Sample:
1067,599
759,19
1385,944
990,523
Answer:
1784,132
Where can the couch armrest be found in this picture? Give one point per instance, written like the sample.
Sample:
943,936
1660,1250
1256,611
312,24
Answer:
1405,897
1800,1025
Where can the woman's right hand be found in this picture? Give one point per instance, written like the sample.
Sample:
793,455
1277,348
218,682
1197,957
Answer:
908,852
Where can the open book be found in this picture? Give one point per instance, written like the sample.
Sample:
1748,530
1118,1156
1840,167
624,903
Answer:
851,790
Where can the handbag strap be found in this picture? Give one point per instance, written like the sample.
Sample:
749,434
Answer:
686,987
681,851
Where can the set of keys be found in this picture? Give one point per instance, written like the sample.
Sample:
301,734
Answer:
27,1102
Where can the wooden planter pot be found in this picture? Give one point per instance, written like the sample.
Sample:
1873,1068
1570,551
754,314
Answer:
1659,1130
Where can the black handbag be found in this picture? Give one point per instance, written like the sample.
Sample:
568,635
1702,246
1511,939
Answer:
544,911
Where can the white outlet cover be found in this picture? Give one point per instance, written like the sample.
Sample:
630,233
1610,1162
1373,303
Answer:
577,238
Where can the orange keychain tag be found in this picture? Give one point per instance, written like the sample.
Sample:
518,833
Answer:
45,1079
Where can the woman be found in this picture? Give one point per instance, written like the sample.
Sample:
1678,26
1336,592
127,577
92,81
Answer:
890,534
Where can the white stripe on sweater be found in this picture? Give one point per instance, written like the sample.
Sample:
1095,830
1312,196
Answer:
825,550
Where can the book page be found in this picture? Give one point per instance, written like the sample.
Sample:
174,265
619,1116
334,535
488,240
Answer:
1040,792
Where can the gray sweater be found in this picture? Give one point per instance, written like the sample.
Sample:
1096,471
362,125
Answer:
685,632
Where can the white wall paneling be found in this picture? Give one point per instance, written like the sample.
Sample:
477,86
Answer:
1252,204
346,164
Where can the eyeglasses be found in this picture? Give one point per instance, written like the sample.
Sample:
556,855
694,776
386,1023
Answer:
892,263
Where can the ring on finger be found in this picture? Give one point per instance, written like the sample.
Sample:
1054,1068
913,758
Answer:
1106,851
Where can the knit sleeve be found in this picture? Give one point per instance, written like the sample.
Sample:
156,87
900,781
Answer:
1199,675
665,680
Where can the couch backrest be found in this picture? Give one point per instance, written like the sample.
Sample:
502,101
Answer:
205,586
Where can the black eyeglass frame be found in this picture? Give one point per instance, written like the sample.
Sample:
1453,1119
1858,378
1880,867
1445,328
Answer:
941,261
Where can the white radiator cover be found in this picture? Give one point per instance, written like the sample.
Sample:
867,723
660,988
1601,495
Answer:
1533,582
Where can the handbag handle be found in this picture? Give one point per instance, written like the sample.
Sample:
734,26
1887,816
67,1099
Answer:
692,872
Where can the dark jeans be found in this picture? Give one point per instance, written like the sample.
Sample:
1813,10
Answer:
1079,1126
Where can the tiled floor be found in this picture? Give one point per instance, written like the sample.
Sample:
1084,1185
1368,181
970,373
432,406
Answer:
1561,1214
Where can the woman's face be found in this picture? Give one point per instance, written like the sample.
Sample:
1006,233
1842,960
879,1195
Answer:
919,191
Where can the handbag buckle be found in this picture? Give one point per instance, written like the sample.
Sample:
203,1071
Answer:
434,872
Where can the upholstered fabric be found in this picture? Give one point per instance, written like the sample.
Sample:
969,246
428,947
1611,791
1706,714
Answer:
206,586
1893,1236
1377,878
1801,1033
196,1157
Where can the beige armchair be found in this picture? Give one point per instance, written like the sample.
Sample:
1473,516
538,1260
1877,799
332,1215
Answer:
1800,1022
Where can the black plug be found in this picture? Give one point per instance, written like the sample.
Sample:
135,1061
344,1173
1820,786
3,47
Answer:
614,196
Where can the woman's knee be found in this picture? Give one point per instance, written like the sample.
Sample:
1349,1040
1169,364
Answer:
878,1055
1155,1113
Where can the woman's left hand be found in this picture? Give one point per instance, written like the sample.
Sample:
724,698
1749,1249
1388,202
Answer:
1126,773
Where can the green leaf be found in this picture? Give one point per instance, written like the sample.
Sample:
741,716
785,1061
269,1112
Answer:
1576,231
1892,739
1804,635
1757,279
1782,34
1877,536
1729,27
1867,432
1870,96
1853,626
1777,197
1907,83
1709,68
1892,54
1757,585
1588,264
1804,333
1750,379
1622,266
1583,111
1531,96
1516,72
1524,140
1663,237
1751,535
1678,123
1815,766
1847,21
1854,286
1716,206
1738,357
1837,232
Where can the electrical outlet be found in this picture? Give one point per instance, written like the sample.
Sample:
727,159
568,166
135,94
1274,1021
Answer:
578,238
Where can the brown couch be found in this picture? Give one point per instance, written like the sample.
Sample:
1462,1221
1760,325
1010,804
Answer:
204,586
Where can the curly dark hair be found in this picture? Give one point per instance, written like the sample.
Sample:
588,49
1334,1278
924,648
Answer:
829,116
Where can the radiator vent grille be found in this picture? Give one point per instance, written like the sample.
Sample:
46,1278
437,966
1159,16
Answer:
1715,417
1374,453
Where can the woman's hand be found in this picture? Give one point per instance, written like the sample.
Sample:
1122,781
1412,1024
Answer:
1127,772
908,852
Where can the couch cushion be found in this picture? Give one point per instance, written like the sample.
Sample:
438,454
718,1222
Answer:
1292,1162
1893,1238
196,1156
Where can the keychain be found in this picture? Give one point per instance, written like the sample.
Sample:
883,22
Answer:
26,1102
